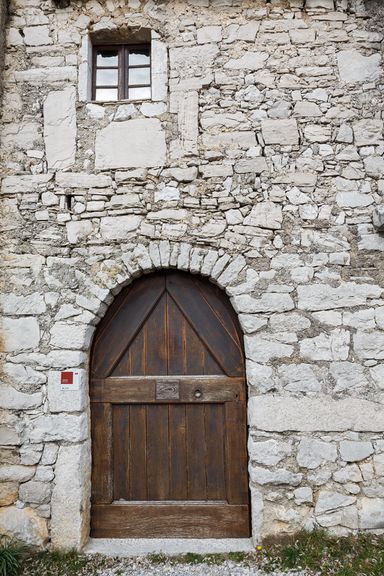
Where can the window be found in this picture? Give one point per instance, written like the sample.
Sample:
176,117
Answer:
121,72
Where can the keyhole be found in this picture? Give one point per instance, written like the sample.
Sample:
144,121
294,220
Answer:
198,393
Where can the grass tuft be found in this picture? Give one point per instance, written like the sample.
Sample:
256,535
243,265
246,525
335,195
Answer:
11,557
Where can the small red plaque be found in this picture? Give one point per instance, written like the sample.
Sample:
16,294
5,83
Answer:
66,378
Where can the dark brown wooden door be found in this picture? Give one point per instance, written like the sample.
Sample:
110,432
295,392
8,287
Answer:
168,412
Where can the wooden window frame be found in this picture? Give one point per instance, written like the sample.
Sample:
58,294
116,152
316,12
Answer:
123,68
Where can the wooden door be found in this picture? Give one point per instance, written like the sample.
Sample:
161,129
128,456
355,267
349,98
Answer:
168,412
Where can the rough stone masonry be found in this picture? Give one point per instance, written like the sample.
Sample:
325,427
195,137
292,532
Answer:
258,163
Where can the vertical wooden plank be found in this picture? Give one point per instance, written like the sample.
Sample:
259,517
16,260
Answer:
215,435
236,453
178,479
196,452
137,355
121,451
157,452
175,344
138,452
101,427
156,341
194,352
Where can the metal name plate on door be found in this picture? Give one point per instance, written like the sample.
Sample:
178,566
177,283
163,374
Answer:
167,390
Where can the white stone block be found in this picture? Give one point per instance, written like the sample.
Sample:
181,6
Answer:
83,180
71,336
313,453
369,345
78,230
209,34
12,399
329,501
47,75
249,61
298,378
66,427
283,132
274,477
131,144
324,297
264,348
279,414
20,334
332,346
368,132
268,452
265,215
119,227
71,508
354,67
24,524
268,302
187,119
67,400
354,451
37,35
60,128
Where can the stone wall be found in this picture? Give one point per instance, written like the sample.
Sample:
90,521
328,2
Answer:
3,19
258,163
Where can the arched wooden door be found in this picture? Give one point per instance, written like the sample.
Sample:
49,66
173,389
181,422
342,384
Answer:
168,410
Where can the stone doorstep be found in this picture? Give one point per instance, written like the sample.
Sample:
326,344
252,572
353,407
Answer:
131,547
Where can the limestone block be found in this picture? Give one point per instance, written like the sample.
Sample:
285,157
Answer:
279,414
327,4
255,165
371,514
16,473
260,376
353,199
167,194
352,451
317,133
66,400
8,493
159,69
209,34
307,109
369,345
268,302
265,215
12,399
83,180
374,166
9,436
21,135
70,508
60,128
37,35
368,132
298,378
286,322
280,132
20,334
35,492
329,501
247,32
268,452
184,174
119,227
231,272
274,477
233,139
350,473
24,375
346,517
332,346
67,427
348,375
302,36
313,453
215,170
150,109
19,184
303,495
78,230
324,297
131,144
71,336
14,305
46,75
263,349
23,524
249,61
354,67
378,218
187,119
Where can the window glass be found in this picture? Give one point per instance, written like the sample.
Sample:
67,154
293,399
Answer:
107,77
107,58
139,57
139,76
139,93
106,94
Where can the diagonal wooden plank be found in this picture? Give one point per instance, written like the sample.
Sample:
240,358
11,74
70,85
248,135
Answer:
123,323
206,324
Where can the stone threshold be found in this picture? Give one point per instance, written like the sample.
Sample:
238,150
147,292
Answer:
131,547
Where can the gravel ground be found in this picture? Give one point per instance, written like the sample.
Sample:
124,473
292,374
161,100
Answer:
224,569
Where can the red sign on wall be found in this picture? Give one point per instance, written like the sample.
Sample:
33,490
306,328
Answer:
66,378
69,380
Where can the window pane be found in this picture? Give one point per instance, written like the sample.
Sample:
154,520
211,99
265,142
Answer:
139,93
106,94
139,76
107,58
139,57
105,77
